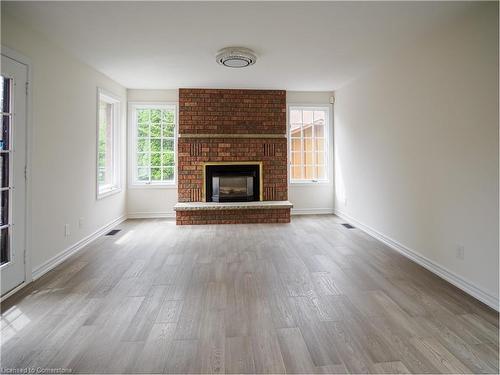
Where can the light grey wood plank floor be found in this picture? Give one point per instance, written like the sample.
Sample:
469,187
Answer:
306,297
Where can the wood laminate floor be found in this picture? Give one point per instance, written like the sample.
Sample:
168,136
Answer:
306,297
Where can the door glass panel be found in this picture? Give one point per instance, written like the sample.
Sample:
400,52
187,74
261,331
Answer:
5,166
4,245
4,133
4,207
5,84
4,172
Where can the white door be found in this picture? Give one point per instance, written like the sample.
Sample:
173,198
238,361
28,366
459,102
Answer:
14,77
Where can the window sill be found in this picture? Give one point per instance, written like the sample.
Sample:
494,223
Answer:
309,183
108,192
153,186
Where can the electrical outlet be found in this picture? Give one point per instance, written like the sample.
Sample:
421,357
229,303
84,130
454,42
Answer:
81,222
66,230
461,252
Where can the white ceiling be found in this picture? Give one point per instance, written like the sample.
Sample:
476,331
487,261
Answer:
300,46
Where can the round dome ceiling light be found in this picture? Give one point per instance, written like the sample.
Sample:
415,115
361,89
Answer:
236,57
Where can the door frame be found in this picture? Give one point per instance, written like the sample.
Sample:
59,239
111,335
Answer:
28,272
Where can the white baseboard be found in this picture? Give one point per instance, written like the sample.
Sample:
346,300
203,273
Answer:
14,291
151,215
65,254
461,283
312,211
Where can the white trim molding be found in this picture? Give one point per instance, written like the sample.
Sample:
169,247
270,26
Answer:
312,211
73,249
458,281
14,291
151,215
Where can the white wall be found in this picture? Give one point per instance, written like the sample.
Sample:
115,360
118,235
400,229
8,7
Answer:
416,148
63,144
155,201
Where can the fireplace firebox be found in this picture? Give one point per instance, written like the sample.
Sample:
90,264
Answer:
232,182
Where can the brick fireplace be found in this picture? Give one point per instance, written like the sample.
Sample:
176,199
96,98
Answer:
232,127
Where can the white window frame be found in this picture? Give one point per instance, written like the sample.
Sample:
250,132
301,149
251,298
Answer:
133,182
328,126
115,187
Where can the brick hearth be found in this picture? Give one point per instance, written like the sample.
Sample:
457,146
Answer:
232,126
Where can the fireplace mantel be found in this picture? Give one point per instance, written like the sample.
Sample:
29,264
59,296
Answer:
211,206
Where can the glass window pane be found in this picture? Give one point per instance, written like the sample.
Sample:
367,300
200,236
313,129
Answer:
308,158
4,170
320,157
319,117
168,116
5,87
105,144
155,160
101,175
5,133
143,130
295,131
143,174
155,130
307,117
321,172
155,116
155,174
308,145
296,172
295,116
320,144
308,132
295,158
156,145
4,246
143,159
168,145
168,173
168,159
168,130
157,127
310,172
143,145
4,207
296,145
319,131
143,115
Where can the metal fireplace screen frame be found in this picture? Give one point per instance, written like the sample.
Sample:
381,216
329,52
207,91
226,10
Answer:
257,164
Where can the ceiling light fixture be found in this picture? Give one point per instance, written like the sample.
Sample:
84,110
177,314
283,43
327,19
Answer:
236,57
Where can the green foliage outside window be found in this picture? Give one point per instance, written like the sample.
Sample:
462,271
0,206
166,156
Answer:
155,145
101,155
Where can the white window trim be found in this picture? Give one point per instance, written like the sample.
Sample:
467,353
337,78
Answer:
132,145
116,187
328,129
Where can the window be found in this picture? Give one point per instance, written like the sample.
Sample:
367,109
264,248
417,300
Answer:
153,137
308,143
108,148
